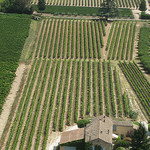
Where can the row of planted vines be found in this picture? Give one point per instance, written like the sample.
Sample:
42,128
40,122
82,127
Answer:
139,84
120,43
91,3
58,93
71,39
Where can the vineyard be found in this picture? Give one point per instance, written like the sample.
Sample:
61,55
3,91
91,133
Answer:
78,69
120,44
139,83
91,3
10,51
58,93
71,39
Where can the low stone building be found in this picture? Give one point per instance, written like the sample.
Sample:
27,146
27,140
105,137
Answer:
98,132
122,128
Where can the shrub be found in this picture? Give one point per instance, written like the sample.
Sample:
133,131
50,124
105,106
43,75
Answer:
149,127
133,114
82,123
120,148
41,4
124,144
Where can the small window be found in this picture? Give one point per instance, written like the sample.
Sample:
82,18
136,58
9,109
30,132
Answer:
114,128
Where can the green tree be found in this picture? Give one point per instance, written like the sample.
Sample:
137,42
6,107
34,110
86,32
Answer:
140,139
82,123
17,6
110,9
41,4
143,5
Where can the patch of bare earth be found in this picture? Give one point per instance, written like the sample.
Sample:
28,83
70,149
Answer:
11,97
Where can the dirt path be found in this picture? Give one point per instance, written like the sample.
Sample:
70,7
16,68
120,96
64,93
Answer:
36,45
11,97
29,108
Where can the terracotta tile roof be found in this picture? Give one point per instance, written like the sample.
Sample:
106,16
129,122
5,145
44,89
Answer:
72,135
99,128
123,123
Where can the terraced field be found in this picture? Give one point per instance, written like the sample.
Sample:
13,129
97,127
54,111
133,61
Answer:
91,3
71,39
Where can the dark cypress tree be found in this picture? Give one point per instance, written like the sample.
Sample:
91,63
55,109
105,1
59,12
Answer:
41,4
143,5
140,139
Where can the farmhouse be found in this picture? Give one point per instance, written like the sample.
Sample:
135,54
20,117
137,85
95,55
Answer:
99,132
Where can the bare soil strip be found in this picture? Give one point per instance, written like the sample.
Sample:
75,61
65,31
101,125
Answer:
47,32
57,45
61,99
82,40
91,70
118,42
74,94
67,99
42,105
79,39
47,109
42,38
95,41
56,29
61,46
49,42
11,97
35,83
55,99
110,40
97,90
80,92
32,117
75,41
70,50
115,95
8,132
104,101
87,41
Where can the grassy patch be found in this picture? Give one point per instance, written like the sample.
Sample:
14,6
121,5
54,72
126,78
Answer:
136,123
73,10
13,30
